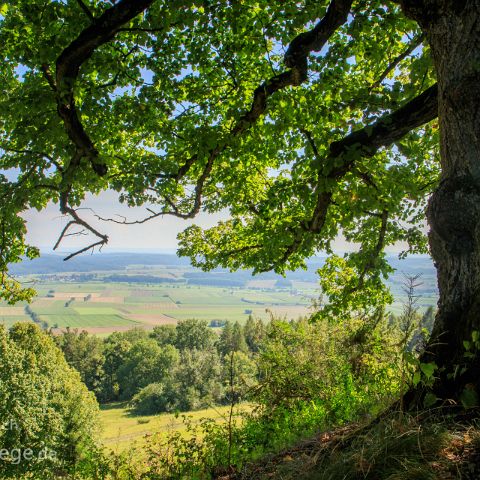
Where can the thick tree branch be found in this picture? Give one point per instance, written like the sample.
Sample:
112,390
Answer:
377,250
366,142
68,66
86,10
388,129
48,76
363,143
315,39
295,59
419,10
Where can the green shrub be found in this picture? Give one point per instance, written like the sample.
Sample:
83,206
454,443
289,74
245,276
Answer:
150,400
48,418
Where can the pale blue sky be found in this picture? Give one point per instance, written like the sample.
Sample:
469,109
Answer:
157,235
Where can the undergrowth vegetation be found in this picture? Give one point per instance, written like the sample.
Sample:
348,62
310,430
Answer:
312,376
437,445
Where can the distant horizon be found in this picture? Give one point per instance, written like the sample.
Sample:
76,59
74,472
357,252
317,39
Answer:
157,236
172,251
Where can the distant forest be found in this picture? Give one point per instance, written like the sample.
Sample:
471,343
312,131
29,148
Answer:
51,264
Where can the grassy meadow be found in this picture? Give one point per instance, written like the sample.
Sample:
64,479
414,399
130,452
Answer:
121,430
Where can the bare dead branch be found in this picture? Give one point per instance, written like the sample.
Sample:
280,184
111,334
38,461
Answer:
100,244
76,234
77,220
124,220
62,234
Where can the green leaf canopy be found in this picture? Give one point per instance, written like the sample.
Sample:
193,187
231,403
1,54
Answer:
302,119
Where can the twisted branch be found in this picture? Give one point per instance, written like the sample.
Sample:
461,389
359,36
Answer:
362,143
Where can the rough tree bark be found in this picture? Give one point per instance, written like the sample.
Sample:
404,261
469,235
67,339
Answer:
452,28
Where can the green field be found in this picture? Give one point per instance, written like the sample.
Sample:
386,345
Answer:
99,311
85,321
9,320
101,306
121,430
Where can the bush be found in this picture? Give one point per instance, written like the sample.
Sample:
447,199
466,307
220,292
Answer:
150,400
48,417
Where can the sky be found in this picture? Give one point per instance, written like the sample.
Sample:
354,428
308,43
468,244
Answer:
157,235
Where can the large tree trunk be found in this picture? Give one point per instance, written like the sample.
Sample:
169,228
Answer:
453,31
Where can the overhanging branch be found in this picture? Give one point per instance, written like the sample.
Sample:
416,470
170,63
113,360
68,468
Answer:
295,59
362,143
388,129
68,64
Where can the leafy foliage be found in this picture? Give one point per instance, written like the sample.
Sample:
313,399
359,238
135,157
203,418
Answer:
84,353
145,363
185,107
48,418
182,367
194,334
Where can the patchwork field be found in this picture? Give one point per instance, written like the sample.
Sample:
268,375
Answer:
117,298
8,320
101,308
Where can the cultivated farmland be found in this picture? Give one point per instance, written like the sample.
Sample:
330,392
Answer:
90,306
130,291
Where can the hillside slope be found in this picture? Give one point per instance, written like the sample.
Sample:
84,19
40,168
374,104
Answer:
431,446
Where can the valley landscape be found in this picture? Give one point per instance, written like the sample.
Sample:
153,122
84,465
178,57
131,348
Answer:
286,151
105,293
118,292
